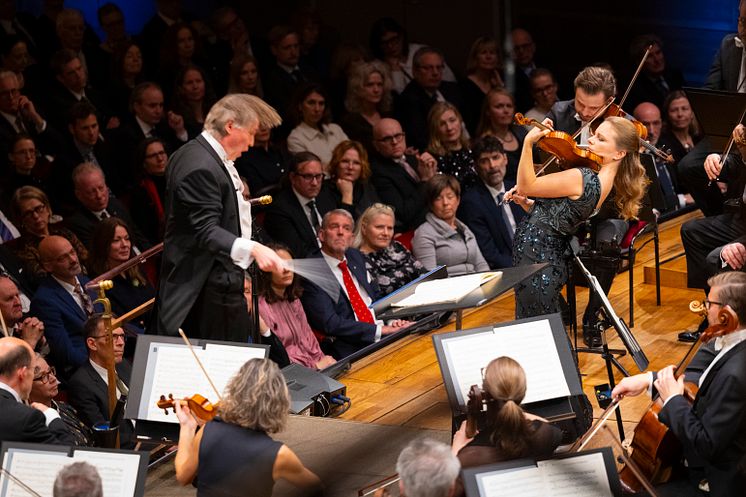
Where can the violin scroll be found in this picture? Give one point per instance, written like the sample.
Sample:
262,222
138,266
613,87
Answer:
698,307
200,407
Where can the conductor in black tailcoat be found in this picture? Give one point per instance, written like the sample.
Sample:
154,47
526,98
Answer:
207,242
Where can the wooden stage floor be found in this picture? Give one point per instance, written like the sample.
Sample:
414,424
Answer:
402,385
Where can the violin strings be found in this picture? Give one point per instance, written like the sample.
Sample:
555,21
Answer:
316,270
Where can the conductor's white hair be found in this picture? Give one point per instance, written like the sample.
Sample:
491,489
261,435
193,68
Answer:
243,110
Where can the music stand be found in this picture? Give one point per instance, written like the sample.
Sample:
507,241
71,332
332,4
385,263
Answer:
718,112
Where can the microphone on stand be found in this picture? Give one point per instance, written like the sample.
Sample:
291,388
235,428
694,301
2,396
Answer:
263,200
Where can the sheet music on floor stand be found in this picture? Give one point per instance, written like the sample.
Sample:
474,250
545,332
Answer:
539,344
590,473
122,472
165,365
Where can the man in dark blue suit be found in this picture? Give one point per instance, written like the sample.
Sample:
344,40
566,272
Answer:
347,321
492,221
62,304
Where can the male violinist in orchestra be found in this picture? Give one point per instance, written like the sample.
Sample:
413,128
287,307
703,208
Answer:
712,428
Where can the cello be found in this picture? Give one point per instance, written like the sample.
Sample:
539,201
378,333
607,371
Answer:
655,449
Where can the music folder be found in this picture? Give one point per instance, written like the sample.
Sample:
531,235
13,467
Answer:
164,365
538,344
123,472
717,112
586,473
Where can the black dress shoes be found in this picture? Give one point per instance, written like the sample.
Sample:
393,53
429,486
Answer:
689,336
591,336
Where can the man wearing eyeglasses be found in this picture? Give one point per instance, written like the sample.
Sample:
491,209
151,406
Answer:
88,387
19,422
295,215
712,429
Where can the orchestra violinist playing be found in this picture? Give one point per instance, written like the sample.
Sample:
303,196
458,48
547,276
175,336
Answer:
712,428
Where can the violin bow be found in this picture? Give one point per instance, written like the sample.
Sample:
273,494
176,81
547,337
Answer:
631,464
637,73
18,482
731,141
199,363
583,441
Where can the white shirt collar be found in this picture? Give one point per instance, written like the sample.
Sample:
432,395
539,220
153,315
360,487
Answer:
67,286
494,191
215,144
722,346
738,41
331,260
303,200
145,127
8,388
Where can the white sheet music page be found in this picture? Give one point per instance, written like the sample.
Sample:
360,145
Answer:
34,468
531,344
224,361
518,482
446,290
579,476
118,470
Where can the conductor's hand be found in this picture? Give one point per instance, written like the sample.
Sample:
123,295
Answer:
537,134
631,386
713,166
667,384
267,259
734,254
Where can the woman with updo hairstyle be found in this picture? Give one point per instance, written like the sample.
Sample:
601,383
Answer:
449,144
234,452
349,182
369,99
507,431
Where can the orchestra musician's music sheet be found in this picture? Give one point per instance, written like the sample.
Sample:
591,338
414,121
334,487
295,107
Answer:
122,472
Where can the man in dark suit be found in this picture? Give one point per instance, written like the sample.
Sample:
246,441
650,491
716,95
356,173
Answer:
419,96
95,203
36,423
88,387
482,208
400,179
657,79
712,429
347,321
207,243
293,218
62,304
28,329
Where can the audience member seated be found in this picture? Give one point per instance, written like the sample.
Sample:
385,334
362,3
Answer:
657,79
62,304
234,451
506,431
427,469
15,57
426,88
347,322
312,37
96,203
389,43
8,230
483,66
168,13
11,267
18,114
33,213
442,239
180,49
368,100
264,334
350,175
482,210
78,479
71,33
148,200
192,98
112,23
524,52
28,329
680,129
314,132
26,168
544,91
282,313
449,144
347,55
45,388
294,217
21,25
285,75
389,263
264,164
35,423
126,74
88,388
244,76
111,246
398,178
497,120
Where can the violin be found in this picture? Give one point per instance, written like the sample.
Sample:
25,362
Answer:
478,402
562,146
655,448
200,407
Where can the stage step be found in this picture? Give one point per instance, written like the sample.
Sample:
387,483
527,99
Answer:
673,272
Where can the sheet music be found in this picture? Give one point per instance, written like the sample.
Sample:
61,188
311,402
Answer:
446,290
531,344
519,482
118,470
579,476
177,373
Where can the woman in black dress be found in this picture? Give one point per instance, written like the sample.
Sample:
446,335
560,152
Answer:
449,144
350,174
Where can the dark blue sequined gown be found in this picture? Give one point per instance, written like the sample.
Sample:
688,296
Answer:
544,236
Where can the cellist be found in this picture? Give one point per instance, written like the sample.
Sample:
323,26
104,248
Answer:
712,430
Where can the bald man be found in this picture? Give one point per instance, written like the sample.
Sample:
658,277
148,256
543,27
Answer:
62,303
36,423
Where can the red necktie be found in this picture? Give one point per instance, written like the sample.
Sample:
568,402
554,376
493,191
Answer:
358,306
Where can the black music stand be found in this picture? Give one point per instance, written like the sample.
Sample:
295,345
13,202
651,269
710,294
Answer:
718,112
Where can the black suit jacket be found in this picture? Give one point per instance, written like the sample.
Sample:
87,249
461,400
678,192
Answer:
726,66
89,394
286,220
48,142
712,431
83,223
562,115
487,221
336,319
117,178
24,280
202,222
645,89
399,190
21,423
413,106
279,86
58,100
